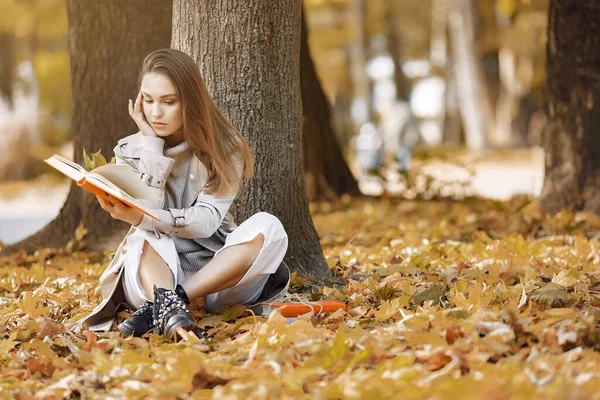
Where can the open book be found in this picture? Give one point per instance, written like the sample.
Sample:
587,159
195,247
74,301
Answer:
120,181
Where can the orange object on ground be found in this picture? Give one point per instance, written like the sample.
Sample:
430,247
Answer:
317,307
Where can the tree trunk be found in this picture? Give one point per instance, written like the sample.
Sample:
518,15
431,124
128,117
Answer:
571,140
394,45
108,41
326,173
362,83
438,48
249,54
472,99
7,66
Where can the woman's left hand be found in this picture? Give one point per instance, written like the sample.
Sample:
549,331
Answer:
119,210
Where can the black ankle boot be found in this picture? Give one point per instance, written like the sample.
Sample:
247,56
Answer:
139,322
170,312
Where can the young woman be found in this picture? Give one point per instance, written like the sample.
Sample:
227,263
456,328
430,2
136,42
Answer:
194,159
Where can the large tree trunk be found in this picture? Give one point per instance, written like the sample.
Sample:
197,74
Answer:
326,172
571,139
249,54
108,41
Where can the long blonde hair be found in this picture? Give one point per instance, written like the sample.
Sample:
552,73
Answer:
209,133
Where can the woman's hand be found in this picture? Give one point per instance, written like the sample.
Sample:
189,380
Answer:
136,112
119,210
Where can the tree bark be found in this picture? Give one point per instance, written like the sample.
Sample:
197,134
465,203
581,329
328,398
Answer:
108,41
571,140
249,54
326,173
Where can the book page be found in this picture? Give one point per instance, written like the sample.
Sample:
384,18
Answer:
67,167
127,179
105,185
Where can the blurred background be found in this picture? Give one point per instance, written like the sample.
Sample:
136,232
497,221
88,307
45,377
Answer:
429,98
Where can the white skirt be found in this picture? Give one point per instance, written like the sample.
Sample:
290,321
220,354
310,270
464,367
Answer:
246,291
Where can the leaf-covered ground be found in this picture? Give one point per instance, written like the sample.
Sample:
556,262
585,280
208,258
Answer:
473,299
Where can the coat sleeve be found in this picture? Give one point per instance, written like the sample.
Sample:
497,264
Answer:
154,166
199,221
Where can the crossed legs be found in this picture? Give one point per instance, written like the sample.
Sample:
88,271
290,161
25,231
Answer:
224,271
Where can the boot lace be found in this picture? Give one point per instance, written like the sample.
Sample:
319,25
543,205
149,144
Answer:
168,303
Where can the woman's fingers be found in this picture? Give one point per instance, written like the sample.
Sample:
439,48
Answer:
119,210
138,101
110,205
119,205
106,206
136,112
134,106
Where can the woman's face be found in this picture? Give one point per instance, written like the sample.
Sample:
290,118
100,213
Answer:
162,106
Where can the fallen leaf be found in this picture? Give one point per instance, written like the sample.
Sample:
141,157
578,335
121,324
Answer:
552,294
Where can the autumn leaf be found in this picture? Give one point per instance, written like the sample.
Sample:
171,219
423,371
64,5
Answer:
432,294
8,344
95,161
551,294
31,304
564,279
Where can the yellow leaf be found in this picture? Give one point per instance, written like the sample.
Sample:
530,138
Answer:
7,344
564,279
31,305
475,293
336,352
387,310
95,161
559,312
211,321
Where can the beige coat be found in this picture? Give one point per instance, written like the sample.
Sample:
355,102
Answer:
206,220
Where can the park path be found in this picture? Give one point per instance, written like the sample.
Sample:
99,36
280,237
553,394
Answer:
25,209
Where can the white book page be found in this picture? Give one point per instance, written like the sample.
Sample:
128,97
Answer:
105,184
67,167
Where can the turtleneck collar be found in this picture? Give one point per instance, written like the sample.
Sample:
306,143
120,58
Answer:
177,151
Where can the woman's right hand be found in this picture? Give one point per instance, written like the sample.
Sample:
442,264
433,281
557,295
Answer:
136,112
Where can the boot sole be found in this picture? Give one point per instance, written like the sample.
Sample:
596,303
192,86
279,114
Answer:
172,330
128,331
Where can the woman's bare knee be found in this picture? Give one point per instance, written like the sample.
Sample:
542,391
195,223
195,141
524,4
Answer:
154,270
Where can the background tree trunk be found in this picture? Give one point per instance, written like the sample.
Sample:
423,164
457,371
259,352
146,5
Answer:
7,66
394,41
108,41
469,79
571,138
326,172
363,84
249,55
